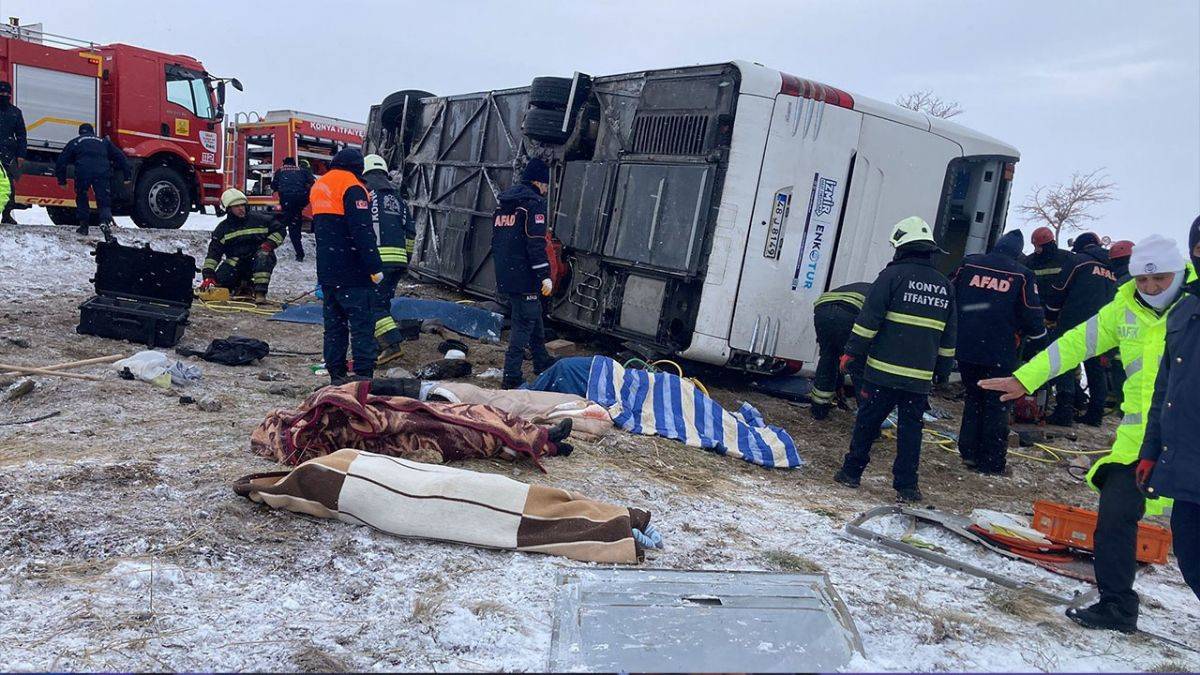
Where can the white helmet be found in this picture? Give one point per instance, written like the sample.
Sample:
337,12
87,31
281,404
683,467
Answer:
911,230
233,197
374,162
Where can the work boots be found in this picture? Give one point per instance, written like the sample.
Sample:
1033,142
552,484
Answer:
846,479
819,411
1104,616
910,494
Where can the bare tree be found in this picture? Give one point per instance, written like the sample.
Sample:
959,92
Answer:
927,102
1068,206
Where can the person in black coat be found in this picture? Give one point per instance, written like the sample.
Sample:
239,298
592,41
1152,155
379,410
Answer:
1169,462
1050,265
1088,286
523,268
12,144
998,305
902,340
292,183
834,314
93,159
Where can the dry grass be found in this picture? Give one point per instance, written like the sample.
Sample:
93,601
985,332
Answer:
429,604
1015,603
1169,667
790,562
311,659
489,608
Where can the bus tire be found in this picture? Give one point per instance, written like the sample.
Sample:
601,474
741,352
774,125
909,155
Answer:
392,106
550,93
545,126
161,199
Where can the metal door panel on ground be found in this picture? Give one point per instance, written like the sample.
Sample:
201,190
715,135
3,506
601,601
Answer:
793,227
898,172
55,103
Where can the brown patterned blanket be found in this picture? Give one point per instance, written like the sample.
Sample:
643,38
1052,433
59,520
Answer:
411,499
348,416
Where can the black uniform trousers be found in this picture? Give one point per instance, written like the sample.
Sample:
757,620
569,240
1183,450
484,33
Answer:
349,315
255,269
291,215
874,405
387,333
1097,380
833,325
983,435
1185,533
102,187
1122,505
526,331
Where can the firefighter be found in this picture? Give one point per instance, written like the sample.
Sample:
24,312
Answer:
348,265
1088,286
242,248
834,313
292,184
998,305
903,338
93,158
1135,322
523,268
1118,260
396,234
1049,264
12,144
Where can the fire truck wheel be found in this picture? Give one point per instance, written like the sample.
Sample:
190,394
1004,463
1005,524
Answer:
545,126
161,199
550,93
61,215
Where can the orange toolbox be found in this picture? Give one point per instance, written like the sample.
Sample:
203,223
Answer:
1076,527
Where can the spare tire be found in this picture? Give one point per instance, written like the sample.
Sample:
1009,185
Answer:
545,126
393,106
550,93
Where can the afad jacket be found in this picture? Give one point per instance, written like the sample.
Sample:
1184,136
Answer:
1139,332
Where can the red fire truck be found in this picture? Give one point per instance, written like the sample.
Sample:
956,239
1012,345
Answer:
164,111
255,146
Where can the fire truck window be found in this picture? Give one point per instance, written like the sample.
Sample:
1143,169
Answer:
200,95
180,93
188,89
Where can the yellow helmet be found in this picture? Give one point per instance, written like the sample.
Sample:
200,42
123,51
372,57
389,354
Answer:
232,197
374,163
911,230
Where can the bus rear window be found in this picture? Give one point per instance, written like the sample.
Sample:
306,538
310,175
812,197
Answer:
974,207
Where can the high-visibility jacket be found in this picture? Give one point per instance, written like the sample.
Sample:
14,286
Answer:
1140,334
347,250
5,188
389,216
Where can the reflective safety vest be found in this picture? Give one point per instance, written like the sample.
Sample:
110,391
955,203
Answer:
327,194
1140,335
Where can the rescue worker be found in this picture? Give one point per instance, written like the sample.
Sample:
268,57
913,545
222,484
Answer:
1118,260
1118,264
242,248
12,144
395,232
1049,264
998,306
93,158
903,338
292,184
1135,322
1173,417
834,313
1089,285
523,269
348,265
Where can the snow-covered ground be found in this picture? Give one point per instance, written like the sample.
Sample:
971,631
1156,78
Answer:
122,546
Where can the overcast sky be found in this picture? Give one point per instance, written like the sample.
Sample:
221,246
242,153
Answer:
1074,85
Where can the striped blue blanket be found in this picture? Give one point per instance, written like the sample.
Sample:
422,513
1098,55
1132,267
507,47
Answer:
663,404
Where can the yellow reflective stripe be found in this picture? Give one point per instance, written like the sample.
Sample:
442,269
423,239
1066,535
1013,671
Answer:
393,254
409,243
820,396
855,299
914,320
903,371
384,325
261,276
276,238
948,353
1047,270
864,332
210,263
243,233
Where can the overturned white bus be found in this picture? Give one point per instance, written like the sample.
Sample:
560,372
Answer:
700,210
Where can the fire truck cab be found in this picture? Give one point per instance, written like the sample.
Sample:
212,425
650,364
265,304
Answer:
256,146
164,111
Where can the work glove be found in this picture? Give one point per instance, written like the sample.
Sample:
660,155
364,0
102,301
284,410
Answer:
267,247
844,363
207,284
1142,473
547,287
377,278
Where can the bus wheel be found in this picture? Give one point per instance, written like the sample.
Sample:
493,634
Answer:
161,199
61,215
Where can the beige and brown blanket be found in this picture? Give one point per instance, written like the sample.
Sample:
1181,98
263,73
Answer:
590,421
411,499
349,416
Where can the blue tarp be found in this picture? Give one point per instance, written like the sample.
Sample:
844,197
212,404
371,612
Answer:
463,319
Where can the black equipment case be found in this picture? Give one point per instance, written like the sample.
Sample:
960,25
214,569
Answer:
142,295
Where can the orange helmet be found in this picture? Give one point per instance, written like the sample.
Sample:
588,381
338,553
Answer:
1120,249
1042,236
